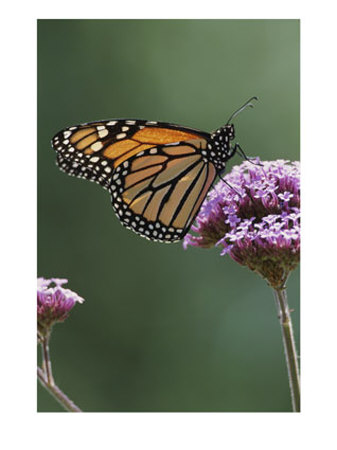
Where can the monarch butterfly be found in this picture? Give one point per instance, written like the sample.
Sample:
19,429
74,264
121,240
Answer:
157,173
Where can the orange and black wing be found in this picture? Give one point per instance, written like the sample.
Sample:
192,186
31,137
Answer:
156,172
158,192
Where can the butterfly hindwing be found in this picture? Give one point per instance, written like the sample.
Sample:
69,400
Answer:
158,191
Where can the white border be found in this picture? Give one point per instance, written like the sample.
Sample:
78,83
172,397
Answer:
315,425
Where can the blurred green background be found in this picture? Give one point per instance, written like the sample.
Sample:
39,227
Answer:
162,329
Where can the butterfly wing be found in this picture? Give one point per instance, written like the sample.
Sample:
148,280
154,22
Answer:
94,150
157,172
158,192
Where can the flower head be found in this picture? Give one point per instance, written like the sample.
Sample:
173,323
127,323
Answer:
257,222
54,302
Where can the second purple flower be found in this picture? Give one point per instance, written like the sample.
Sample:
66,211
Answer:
257,222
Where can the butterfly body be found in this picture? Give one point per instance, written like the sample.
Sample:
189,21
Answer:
157,173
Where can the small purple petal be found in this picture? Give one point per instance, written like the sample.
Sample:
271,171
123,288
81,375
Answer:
230,210
232,220
285,196
59,281
261,194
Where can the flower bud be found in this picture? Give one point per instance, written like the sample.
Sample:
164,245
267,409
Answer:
54,302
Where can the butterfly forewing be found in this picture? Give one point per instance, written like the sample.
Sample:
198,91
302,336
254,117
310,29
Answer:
82,149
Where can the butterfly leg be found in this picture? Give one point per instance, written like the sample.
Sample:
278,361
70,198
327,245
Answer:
237,148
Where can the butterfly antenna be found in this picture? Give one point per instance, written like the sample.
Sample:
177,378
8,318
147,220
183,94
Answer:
248,104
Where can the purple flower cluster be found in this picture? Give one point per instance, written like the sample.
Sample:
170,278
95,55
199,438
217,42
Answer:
257,220
54,302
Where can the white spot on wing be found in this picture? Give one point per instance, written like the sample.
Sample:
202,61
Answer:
103,133
96,146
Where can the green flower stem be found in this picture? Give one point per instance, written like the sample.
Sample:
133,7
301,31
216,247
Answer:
46,359
289,346
60,396
46,378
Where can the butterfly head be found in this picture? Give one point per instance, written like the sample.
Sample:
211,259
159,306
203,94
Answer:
229,131
220,150
222,136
